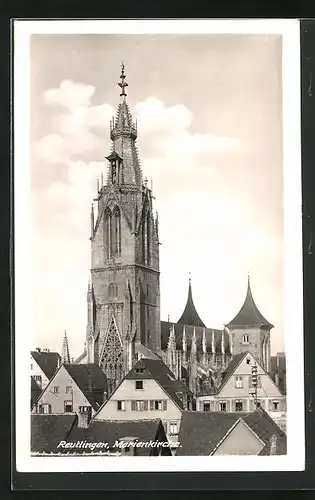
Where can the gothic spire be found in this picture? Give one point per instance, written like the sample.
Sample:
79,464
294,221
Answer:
249,314
190,315
123,133
65,355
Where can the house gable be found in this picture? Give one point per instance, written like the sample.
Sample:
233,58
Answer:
243,369
240,440
62,379
127,392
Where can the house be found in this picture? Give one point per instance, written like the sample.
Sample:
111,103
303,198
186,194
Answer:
35,391
149,391
72,386
43,365
217,433
278,370
235,392
78,435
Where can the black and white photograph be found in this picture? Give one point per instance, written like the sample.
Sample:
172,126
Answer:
158,248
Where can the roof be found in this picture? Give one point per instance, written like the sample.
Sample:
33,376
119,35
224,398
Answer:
189,330
249,314
190,315
48,430
157,370
201,432
231,367
35,390
91,380
47,361
111,431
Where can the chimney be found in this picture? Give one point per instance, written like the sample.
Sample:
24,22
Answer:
84,416
127,446
273,444
38,349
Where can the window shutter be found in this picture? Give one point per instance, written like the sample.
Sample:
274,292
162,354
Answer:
270,404
145,405
151,404
133,405
49,408
164,405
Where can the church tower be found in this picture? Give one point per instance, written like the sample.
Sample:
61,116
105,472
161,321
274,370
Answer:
250,331
123,298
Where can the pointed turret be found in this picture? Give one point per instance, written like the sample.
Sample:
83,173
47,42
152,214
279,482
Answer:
194,344
65,355
123,133
249,314
190,315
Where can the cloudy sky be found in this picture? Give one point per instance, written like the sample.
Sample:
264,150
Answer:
210,135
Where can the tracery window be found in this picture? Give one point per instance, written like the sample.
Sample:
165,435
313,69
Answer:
112,290
108,233
116,232
112,359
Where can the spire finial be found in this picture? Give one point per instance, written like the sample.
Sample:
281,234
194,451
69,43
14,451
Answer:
123,84
189,274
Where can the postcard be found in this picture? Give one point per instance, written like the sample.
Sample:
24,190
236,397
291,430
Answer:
158,248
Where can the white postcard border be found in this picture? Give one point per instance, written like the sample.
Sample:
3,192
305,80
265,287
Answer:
295,458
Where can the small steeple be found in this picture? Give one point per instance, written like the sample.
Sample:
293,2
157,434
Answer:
65,355
92,220
172,340
184,340
249,314
212,342
190,315
194,343
204,341
222,343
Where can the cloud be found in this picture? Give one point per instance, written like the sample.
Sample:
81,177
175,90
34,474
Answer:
70,95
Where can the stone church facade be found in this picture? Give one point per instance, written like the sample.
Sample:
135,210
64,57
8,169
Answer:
123,298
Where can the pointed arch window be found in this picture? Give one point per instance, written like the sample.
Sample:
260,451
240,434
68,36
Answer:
146,235
116,239
108,233
112,290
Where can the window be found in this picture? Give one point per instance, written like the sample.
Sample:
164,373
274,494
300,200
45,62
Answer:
112,290
139,405
68,406
238,382
158,405
206,406
31,366
44,408
238,405
68,389
139,370
139,384
248,361
173,428
245,339
121,405
275,405
56,390
38,378
222,405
